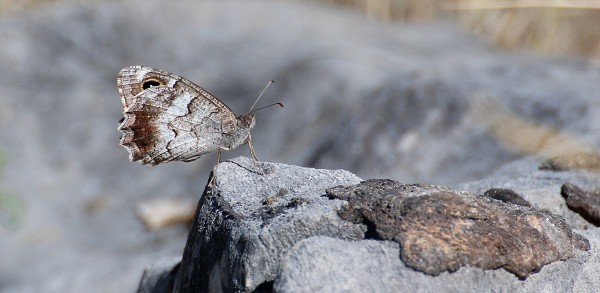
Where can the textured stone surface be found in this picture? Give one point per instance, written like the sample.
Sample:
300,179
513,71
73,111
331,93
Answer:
258,232
506,195
541,188
246,222
321,264
586,203
442,230
160,277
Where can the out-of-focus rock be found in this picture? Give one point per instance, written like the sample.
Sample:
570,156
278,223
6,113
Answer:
573,161
163,212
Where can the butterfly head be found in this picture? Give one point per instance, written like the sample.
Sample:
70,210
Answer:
246,121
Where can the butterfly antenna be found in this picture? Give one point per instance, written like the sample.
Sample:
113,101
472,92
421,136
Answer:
259,96
274,104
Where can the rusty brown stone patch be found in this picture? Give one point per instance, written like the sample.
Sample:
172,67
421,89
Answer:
440,229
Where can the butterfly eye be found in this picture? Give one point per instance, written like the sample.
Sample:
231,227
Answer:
150,83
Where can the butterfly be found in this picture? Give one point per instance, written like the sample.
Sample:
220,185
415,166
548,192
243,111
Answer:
169,118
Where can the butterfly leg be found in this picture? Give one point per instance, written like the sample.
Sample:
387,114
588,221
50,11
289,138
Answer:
212,178
253,154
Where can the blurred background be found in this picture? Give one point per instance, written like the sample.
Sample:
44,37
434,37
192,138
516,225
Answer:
378,87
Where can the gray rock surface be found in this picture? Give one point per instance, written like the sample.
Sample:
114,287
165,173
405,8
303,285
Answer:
538,187
321,264
246,222
281,229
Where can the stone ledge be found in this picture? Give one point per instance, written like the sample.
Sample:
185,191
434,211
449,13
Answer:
279,228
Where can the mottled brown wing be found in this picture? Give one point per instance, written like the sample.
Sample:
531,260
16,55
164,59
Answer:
169,118
132,80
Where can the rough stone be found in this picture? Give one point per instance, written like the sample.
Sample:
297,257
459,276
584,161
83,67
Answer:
541,188
246,222
586,203
245,232
442,230
506,195
160,277
321,264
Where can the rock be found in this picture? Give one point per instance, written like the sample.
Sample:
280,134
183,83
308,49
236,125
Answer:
324,264
160,277
506,195
574,161
281,231
246,223
541,188
586,203
321,264
562,149
442,230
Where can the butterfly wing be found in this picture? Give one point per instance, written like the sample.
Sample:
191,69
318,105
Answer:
132,80
170,118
